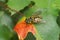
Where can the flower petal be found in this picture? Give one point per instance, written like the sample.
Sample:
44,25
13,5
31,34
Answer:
22,29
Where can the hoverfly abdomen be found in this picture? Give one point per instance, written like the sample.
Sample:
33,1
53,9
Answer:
36,20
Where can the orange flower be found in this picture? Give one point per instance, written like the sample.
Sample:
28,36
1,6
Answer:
22,29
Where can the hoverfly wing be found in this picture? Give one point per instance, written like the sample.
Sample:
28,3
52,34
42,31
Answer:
37,12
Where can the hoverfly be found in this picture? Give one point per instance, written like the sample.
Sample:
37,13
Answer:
36,18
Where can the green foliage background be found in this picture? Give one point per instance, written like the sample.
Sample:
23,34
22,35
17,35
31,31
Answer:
47,31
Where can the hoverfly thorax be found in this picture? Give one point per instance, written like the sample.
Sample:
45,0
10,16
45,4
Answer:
35,18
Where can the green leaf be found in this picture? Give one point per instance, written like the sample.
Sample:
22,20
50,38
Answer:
5,19
18,4
5,33
6,26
